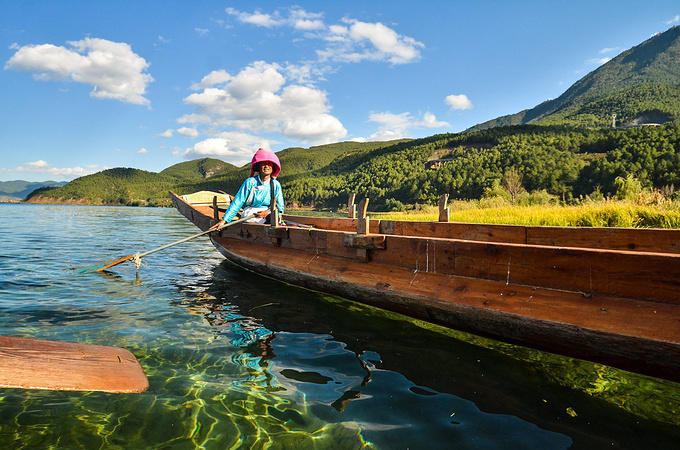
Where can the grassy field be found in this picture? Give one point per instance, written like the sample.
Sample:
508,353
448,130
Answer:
591,214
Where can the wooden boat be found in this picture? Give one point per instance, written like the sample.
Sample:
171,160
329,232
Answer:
65,366
602,294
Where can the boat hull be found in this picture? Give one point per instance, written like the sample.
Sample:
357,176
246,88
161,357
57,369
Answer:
468,285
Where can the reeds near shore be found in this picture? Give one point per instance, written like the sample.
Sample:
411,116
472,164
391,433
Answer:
605,213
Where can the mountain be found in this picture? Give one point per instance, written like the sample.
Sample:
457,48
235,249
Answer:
199,169
119,186
17,190
640,85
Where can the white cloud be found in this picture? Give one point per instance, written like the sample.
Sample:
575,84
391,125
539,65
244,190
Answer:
321,129
201,31
297,18
369,41
256,18
675,19
161,40
234,147
258,99
396,126
167,133
306,21
430,121
194,118
112,68
142,150
213,78
608,50
460,101
598,61
355,41
43,167
190,132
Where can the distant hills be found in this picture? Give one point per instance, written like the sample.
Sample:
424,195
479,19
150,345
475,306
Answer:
17,190
641,85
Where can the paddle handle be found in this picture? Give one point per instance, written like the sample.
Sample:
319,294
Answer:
163,247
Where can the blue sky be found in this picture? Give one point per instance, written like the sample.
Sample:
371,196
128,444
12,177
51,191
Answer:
90,85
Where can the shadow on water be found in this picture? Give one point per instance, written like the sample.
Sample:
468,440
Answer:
594,405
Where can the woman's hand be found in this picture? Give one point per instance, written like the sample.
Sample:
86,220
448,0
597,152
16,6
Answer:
218,225
262,214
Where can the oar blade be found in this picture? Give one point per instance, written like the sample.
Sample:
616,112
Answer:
105,265
66,366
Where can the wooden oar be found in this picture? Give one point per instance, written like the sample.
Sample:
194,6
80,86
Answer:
137,256
67,366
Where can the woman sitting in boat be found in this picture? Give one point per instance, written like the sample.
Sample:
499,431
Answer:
254,195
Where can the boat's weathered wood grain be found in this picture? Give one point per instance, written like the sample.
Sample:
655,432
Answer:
66,366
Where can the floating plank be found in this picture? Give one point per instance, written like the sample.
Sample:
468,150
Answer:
66,366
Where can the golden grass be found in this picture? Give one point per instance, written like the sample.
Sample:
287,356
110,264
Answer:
593,214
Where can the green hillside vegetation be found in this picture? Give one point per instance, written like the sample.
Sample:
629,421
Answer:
141,188
548,164
560,162
120,186
198,169
641,84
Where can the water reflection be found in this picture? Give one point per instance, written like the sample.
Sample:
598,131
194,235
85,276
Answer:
339,354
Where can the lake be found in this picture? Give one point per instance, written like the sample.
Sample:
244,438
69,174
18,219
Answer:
235,360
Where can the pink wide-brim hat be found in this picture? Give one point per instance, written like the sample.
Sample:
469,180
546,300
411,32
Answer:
263,154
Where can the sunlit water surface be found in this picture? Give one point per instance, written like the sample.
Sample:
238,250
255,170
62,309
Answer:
235,360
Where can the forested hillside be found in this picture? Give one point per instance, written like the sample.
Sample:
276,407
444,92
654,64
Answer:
120,186
558,161
199,169
641,85
561,161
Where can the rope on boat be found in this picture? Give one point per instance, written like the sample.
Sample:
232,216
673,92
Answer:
137,260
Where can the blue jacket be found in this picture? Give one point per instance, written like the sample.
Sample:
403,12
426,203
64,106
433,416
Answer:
254,193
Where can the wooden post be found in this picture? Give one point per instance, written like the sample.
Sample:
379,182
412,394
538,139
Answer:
443,210
351,207
275,218
216,211
363,225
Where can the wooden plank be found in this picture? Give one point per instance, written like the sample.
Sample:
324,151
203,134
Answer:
66,366
632,239
369,242
645,276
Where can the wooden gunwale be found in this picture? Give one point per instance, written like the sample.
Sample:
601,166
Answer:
629,239
583,302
